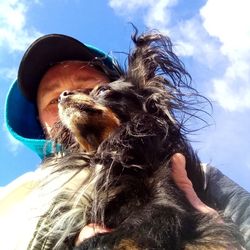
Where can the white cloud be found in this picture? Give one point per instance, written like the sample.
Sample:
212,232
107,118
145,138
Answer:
217,37
131,5
188,35
229,21
232,91
157,13
191,39
8,73
15,34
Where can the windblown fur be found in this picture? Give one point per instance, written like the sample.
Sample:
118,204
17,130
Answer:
123,135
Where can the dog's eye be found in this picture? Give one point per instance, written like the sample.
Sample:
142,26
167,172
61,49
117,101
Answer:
102,89
151,106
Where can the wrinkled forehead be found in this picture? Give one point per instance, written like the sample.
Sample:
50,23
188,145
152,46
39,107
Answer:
67,66
72,72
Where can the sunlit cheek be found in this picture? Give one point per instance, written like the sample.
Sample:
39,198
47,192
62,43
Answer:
48,118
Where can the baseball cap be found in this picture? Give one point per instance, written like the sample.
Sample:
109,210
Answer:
20,109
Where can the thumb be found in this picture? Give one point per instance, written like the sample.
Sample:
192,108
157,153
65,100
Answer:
179,175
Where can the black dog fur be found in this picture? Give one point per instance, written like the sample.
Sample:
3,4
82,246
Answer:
134,194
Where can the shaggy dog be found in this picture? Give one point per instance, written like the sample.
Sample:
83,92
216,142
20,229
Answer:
124,133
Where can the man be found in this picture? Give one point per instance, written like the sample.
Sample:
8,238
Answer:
53,64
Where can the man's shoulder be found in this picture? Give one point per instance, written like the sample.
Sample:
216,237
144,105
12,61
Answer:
18,189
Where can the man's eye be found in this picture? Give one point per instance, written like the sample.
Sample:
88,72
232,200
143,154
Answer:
54,101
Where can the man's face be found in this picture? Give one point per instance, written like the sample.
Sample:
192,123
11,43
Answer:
69,75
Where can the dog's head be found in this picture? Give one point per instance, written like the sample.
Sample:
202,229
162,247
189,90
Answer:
88,120
155,84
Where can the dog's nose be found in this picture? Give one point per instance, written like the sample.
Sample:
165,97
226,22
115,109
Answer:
64,94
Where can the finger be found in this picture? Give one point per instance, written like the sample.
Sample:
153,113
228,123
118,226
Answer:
179,172
182,181
89,231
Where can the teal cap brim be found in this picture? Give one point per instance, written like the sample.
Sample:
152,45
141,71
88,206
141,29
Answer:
21,121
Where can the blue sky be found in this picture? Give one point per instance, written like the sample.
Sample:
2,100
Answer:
212,38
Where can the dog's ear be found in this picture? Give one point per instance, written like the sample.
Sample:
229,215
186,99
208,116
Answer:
152,64
153,57
158,104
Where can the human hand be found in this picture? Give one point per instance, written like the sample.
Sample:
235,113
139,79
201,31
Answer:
89,231
180,177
